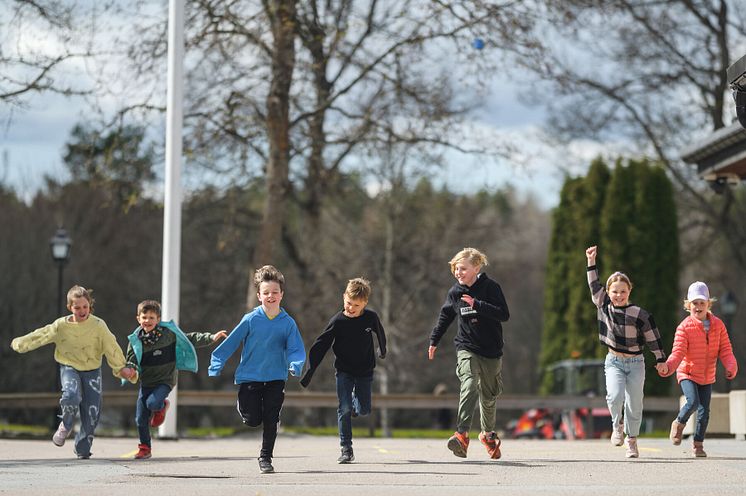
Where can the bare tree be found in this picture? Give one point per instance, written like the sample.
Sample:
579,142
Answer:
650,74
38,41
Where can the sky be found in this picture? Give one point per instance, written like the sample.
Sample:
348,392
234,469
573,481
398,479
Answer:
32,142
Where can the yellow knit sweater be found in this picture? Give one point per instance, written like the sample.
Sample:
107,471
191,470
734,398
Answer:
77,344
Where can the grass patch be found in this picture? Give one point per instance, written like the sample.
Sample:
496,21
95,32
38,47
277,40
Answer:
212,432
24,431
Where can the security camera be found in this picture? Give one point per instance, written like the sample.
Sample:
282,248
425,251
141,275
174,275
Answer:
737,79
719,182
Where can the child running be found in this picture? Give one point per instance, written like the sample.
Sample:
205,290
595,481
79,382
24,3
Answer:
271,345
158,350
478,303
80,340
349,334
701,338
623,328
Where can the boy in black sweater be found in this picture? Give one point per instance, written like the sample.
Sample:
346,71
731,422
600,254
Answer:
480,306
349,335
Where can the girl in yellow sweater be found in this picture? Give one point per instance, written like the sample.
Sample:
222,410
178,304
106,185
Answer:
80,340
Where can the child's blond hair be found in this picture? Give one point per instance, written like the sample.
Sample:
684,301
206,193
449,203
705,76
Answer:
618,277
474,256
358,289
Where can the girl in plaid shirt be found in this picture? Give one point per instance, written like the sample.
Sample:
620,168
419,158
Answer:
624,329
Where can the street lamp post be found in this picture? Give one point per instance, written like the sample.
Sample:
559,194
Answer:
59,245
728,307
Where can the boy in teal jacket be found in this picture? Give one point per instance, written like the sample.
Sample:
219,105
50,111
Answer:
158,350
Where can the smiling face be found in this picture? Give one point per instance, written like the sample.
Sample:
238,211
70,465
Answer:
698,309
353,307
270,296
148,319
619,292
465,272
80,308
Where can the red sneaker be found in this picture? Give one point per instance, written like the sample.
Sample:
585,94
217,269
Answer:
492,443
159,416
459,443
143,452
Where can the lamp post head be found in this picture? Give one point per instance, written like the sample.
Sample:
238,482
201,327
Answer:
59,245
728,304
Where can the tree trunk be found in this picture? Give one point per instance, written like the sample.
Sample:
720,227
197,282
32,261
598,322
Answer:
281,14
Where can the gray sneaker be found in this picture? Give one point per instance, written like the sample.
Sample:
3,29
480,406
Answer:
59,437
347,456
632,451
617,435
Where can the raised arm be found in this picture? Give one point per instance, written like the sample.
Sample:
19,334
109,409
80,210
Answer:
598,292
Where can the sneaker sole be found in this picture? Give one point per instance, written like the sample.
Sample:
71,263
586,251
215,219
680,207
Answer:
455,446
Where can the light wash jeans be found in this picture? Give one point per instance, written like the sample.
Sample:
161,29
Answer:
697,398
625,379
81,391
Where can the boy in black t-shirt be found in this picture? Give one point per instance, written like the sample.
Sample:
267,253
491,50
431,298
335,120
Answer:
349,335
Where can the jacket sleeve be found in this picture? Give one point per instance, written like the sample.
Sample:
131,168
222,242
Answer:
497,309
318,351
223,352
446,316
725,352
598,292
199,339
679,350
296,352
36,339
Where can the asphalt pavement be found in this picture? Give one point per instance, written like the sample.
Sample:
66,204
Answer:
306,465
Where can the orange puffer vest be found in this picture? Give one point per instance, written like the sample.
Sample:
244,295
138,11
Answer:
695,353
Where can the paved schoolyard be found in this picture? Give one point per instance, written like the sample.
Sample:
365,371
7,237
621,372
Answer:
306,465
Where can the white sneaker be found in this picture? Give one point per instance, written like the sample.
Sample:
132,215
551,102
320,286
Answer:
59,437
617,436
632,451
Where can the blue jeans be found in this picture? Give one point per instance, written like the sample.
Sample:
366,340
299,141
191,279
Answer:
625,379
697,398
149,400
81,392
353,392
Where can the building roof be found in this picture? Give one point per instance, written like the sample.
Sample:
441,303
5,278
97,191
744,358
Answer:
722,154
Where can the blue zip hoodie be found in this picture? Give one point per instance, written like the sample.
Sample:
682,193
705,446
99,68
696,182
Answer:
270,348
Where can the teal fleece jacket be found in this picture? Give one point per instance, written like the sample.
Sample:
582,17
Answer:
269,348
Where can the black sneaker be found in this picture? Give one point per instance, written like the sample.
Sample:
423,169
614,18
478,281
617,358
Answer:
265,466
347,456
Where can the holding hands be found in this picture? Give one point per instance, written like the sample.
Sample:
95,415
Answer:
127,373
662,369
219,335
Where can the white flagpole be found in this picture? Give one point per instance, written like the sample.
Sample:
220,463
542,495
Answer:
170,280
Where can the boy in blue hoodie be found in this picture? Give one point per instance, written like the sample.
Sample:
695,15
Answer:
271,346
158,350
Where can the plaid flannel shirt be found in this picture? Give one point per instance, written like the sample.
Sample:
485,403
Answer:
624,329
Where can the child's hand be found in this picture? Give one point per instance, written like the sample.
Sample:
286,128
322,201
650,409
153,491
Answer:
468,299
127,373
590,254
431,352
219,335
662,369
730,374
